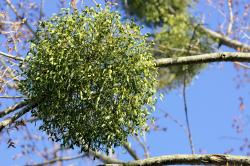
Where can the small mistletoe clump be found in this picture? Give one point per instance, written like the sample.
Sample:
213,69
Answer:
93,77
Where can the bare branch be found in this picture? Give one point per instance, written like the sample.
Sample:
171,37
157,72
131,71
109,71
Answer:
184,97
231,17
58,160
235,44
11,97
41,10
11,56
206,159
143,145
204,58
73,4
190,139
12,108
19,17
104,158
16,116
94,1
22,122
182,50
167,115
242,65
131,151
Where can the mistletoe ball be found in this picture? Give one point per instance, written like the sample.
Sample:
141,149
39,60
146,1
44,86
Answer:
92,76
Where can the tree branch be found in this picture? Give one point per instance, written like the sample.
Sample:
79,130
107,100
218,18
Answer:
215,159
19,17
94,1
41,10
143,145
203,58
11,97
12,108
231,17
11,56
16,116
235,44
190,139
242,65
105,159
22,122
57,159
100,156
131,151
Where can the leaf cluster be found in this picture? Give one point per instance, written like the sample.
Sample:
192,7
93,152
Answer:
93,76
154,12
175,39
174,35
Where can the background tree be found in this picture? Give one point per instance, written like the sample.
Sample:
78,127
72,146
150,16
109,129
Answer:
178,30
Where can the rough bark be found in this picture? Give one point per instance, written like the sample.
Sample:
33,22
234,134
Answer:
214,159
203,58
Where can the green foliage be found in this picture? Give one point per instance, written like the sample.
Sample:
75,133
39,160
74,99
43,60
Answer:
173,35
93,76
175,40
155,12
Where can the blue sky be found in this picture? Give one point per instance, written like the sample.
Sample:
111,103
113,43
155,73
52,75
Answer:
213,102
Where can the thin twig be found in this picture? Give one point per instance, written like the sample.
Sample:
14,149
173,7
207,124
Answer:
58,160
242,65
126,4
184,94
41,10
10,71
15,78
181,50
186,116
19,16
231,17
11,56
22,122
11,97
186,129
167,115
94,1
